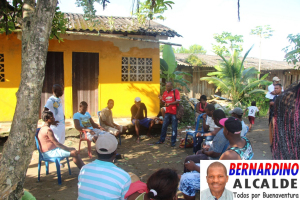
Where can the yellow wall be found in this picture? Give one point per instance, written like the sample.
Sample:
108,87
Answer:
110,84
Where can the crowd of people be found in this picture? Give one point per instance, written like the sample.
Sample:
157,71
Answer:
222,138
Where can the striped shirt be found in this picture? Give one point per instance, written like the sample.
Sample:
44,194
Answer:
102,180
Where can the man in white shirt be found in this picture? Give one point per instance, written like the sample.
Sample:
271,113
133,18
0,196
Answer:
270,94
54,104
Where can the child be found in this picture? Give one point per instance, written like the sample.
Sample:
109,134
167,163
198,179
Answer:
251,114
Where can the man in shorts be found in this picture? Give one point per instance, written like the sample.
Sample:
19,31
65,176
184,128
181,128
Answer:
139,117
107,122
84,122
49,145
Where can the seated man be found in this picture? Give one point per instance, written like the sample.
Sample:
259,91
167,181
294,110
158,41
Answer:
238,113
209,124
190,182
240,147
84,122
49,145
138,118
107,122
101,179
218,146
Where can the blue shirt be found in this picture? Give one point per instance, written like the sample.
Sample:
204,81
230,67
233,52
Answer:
206,194
102,180
219,144
84,120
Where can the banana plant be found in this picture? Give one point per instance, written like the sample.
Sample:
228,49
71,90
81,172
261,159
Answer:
233,79
168,67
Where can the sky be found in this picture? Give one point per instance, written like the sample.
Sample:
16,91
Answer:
198,20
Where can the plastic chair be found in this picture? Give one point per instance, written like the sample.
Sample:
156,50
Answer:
194,133
83,137
100,125
56,160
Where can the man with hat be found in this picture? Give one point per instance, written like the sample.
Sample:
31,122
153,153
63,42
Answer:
238,113
271,93
101,179
139,117
239,147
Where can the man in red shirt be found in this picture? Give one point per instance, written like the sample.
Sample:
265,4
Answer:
171,99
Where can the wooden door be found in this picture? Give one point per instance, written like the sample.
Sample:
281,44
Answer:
54,74
85,68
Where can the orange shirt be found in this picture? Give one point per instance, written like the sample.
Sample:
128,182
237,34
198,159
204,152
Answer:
168,97
45,143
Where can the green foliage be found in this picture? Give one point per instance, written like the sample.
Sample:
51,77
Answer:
169,62
151,9
234,80
58,25
194,60
188,118
161,48
195,48
88,7
262,31
293,50
227,43
9,14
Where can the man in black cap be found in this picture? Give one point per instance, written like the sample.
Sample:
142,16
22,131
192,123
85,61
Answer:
238,113
239,147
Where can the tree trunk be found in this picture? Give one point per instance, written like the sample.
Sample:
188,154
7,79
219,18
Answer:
17,151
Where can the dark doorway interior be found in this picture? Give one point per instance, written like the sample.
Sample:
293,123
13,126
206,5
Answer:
85,68
54,74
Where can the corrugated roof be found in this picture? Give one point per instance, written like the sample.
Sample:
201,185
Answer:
117,25
212,60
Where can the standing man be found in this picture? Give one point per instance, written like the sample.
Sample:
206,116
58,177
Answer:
271,93
171,98
55,106
277,91
139,117
107,122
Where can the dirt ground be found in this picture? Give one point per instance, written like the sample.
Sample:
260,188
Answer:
142,159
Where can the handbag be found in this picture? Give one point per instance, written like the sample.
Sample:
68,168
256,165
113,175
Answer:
179,110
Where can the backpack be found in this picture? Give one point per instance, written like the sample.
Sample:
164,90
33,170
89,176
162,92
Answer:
179,110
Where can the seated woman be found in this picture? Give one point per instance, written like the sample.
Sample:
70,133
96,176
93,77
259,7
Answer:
190,181
161,185
200,106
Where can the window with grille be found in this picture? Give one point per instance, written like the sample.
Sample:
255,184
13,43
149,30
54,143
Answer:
136,69
2,76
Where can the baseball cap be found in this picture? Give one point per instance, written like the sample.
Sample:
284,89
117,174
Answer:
106,143
232,124
137,99
237,111
275,78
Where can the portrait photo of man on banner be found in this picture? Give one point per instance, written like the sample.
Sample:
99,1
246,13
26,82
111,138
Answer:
217,179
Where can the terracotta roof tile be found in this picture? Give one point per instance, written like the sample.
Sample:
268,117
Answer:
117,25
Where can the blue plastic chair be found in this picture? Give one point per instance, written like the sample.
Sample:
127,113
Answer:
56,160
98,113
194,133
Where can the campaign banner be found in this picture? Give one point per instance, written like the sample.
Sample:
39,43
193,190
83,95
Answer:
249,179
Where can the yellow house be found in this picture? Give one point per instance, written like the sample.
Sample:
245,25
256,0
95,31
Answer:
114,59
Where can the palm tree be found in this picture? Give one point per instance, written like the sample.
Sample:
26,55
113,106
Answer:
234,80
